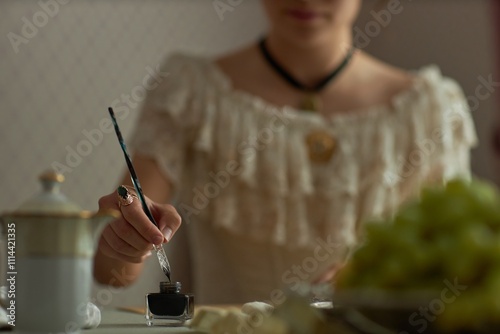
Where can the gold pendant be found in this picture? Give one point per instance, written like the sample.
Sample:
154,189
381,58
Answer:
321,146
311,102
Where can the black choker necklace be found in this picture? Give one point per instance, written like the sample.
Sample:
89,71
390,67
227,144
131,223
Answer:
312,100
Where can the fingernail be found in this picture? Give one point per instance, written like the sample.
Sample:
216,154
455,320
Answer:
157,240
167,232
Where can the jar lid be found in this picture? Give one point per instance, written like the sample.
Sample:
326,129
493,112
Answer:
170,287
50,201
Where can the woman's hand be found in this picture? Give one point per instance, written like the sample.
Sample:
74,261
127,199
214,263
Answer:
130,238
328,275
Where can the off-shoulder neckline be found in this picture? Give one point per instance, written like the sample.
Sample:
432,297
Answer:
398,102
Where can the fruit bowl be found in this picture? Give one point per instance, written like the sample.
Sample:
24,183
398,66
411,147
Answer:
374,311
432,267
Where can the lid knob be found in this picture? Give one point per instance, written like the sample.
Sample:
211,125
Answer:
51,181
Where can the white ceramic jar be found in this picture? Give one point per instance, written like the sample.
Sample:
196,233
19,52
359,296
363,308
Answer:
54,243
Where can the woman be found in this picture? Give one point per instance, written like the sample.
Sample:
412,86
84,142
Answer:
278,152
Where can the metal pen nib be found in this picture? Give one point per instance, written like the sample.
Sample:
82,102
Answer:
162,258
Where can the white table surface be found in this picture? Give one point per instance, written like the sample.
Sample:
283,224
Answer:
123,322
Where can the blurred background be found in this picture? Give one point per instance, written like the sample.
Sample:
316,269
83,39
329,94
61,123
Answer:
62,63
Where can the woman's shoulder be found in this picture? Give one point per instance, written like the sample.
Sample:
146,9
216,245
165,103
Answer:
431,88
191,72
185,64
388,80
239,67
438,83
426,86
183,58
192,61
233,61
392,82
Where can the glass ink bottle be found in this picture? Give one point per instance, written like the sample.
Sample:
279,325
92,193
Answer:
169,307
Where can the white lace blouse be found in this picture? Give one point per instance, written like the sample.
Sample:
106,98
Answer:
264,189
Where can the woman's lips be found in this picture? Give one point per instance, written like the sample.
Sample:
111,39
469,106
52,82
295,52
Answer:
302,14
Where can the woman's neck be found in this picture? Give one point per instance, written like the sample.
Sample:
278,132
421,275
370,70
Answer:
310,64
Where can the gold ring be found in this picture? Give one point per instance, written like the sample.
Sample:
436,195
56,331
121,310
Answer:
125,197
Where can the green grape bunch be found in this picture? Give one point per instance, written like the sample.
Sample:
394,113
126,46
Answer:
450,233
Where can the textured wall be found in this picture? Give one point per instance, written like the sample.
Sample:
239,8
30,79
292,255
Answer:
59,73
57,87
57,82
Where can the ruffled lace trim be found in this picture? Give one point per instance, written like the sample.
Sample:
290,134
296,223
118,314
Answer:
274,191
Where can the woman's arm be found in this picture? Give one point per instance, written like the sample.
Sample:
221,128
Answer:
126,242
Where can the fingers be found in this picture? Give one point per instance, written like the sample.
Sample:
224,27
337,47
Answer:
107,249
121,241
135,216
169,219
130,237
